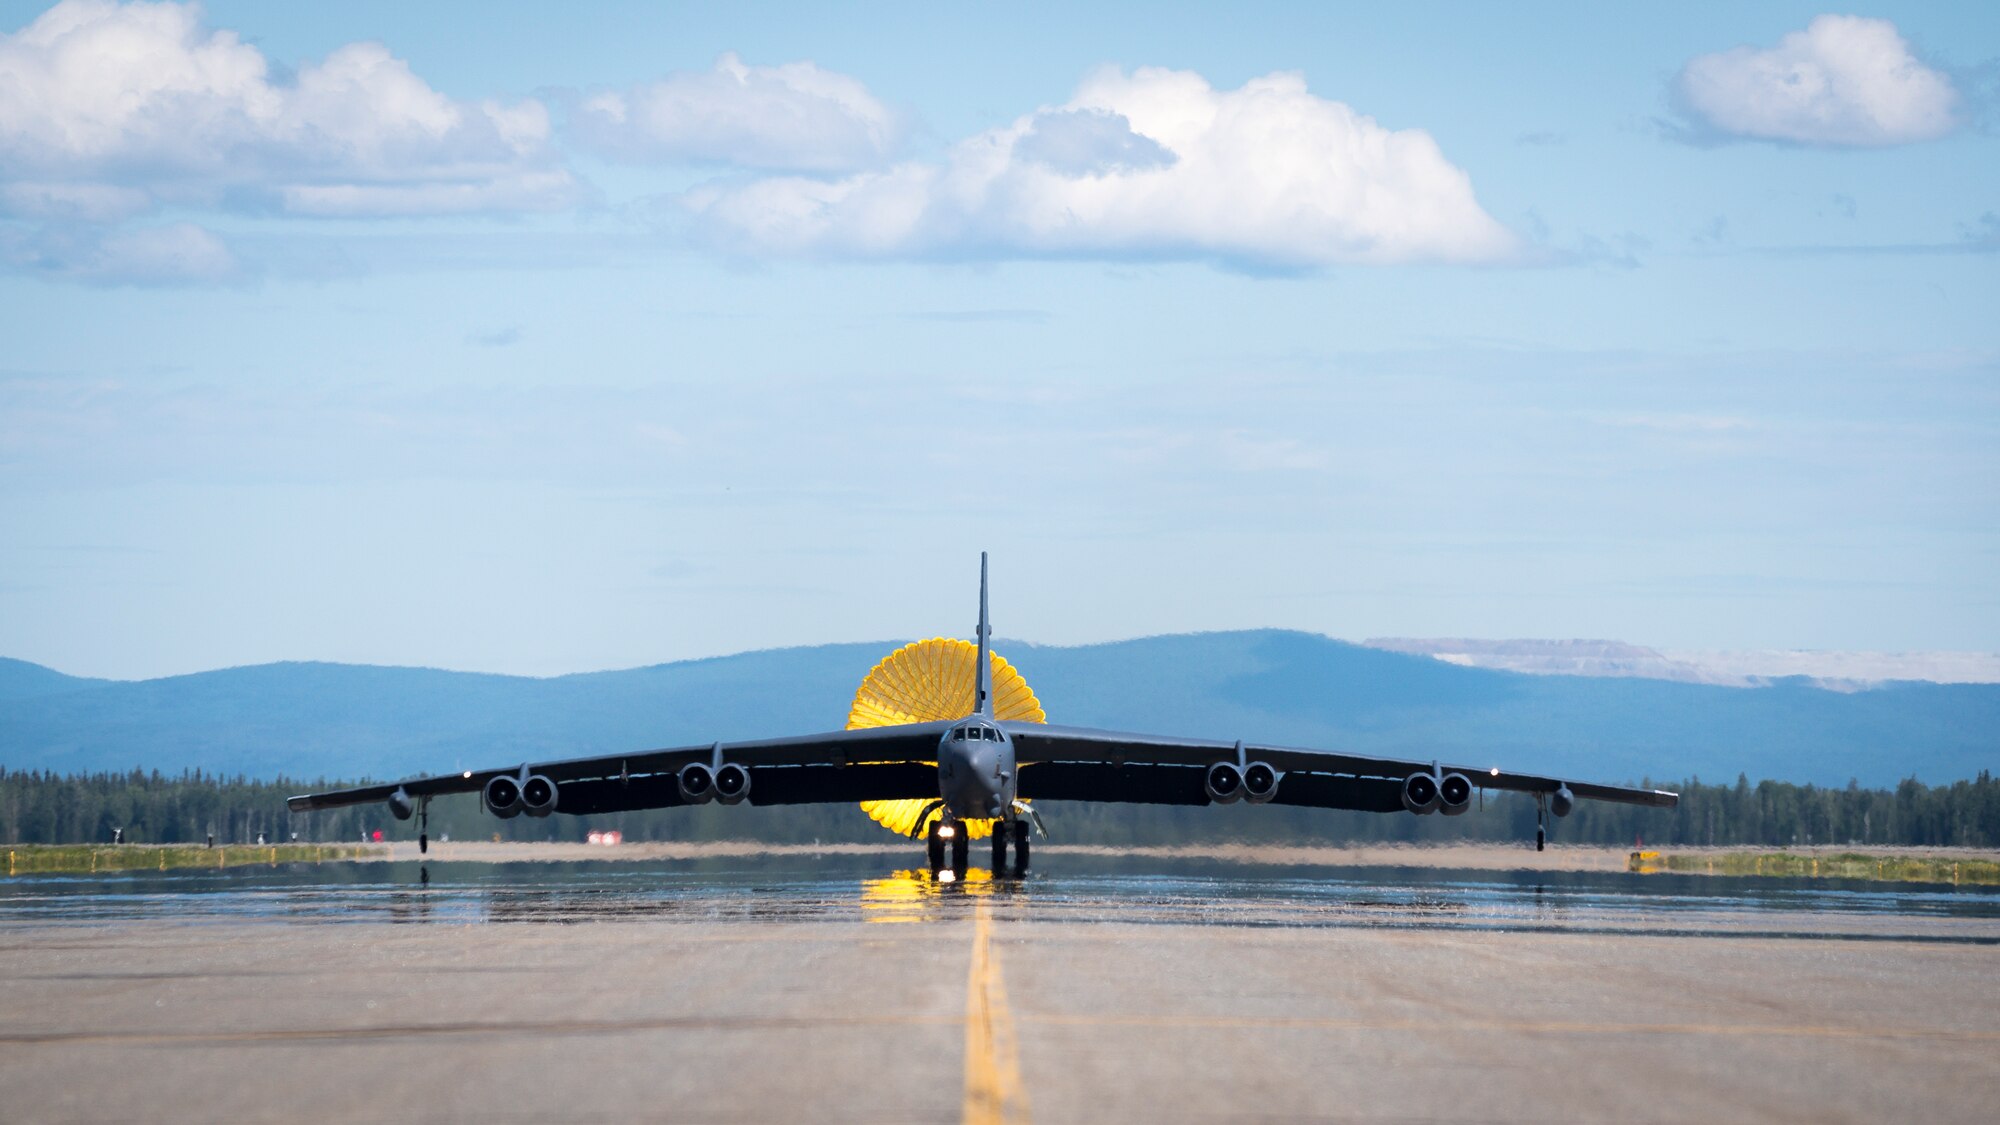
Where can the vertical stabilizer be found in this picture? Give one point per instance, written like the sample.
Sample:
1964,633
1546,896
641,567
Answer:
983,704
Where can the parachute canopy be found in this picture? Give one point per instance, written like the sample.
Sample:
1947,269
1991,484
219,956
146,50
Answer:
925,681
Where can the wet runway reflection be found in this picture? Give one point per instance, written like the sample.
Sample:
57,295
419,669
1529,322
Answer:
871,890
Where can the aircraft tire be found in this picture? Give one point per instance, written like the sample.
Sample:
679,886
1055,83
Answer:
1020,847
935,845
1000,849
961,849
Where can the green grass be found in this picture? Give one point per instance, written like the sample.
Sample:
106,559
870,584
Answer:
25,859
1845,865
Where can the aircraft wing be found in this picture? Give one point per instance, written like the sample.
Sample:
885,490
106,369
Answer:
1079,764
843,765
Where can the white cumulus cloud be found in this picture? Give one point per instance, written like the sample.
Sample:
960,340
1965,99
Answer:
795,117
1844,80
1151,164
105,106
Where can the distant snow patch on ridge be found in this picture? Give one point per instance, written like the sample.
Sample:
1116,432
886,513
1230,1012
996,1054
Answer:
1552,658
1857,668
1834,671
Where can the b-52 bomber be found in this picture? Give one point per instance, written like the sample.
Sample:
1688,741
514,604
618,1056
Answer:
931,748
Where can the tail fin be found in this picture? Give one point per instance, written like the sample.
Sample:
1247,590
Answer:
983,704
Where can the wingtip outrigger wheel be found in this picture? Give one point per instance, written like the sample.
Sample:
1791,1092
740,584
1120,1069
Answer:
1541,822
423,826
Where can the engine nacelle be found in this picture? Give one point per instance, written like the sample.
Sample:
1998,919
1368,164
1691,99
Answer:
503,797
400,805
1454,794
538,796
1224,783
1260,782
732,783
697,783
1561,801
1420,793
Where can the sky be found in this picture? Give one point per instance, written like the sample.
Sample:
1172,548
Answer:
507,338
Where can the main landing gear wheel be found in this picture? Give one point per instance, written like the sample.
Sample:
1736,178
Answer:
952,834
1020,847
1000,849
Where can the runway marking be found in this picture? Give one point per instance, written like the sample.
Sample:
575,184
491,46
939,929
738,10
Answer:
993,1091
1531,1027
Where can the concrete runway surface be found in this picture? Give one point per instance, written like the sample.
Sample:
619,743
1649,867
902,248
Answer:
836,988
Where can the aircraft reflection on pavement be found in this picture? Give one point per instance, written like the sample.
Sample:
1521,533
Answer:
913,895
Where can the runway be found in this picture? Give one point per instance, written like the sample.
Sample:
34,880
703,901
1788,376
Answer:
836,987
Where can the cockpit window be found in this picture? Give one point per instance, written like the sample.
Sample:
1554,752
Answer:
958,734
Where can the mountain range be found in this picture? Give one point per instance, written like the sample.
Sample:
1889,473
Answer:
307,720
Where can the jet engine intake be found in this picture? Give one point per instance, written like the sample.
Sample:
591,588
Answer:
1260,782
1562,800
1454,794
1420,793
732,783
400,805
697,783
503,797
1224,783
538,796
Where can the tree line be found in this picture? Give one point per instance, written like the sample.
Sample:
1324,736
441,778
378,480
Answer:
151,807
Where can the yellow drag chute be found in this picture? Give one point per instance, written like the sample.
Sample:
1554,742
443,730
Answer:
925,681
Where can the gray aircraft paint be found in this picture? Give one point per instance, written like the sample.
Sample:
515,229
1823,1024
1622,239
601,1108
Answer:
977,777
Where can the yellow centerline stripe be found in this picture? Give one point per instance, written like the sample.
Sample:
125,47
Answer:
993,1091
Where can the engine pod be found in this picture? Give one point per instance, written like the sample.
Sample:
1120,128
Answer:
1420,793
697,783
503,797
538,796
1224,783
732,783
1454,794
1260,782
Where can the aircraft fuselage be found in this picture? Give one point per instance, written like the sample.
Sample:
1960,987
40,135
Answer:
976,774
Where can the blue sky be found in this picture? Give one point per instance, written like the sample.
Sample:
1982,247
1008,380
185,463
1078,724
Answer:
500,338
